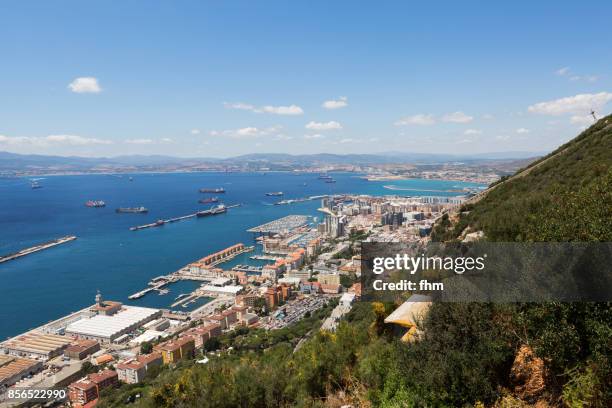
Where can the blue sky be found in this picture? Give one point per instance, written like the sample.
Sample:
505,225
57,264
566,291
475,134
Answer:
223,78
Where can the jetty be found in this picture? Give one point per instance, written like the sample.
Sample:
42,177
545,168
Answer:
36,248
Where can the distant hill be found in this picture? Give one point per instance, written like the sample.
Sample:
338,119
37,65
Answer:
19,162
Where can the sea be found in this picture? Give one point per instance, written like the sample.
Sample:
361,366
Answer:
108,257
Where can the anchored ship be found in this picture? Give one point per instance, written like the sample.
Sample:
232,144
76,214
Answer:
95,203
209,200
219,209
138,210
212,190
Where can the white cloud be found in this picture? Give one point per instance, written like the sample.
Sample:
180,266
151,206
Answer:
347,140
566,72
488,116
578,104
166,140
341,102
457,117
284,110
276,110
374,139
85,85
419,119
582,120
195,131
139,141
75,140
472,132
522,131
247,132
587,78
315,136
71,140
331,125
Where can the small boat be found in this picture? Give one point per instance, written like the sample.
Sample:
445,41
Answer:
35,185
330,181
275,194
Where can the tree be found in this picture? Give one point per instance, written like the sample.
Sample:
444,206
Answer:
146,347
259,305
89,368
212,344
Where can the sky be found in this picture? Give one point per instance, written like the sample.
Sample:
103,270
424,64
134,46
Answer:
224,78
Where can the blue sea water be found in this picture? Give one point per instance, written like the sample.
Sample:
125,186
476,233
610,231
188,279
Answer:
108,256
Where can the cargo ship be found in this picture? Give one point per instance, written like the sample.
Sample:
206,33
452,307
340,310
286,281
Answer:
275,194
95,203
212,190
219,209
209,200
137,210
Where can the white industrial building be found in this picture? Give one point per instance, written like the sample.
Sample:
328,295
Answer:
106,329
222,290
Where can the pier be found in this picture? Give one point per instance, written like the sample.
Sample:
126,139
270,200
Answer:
31,250
157,284
162,222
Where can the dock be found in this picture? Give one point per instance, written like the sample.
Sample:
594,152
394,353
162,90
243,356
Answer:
156,284
31,250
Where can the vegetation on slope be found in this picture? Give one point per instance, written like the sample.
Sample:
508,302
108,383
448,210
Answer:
564,196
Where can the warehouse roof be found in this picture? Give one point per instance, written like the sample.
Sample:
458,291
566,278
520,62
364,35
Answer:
110,326
35,342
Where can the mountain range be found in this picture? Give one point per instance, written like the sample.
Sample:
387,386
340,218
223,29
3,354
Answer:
17,162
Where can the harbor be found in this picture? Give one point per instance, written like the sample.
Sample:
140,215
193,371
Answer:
195,271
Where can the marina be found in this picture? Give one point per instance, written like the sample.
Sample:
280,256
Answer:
282,224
